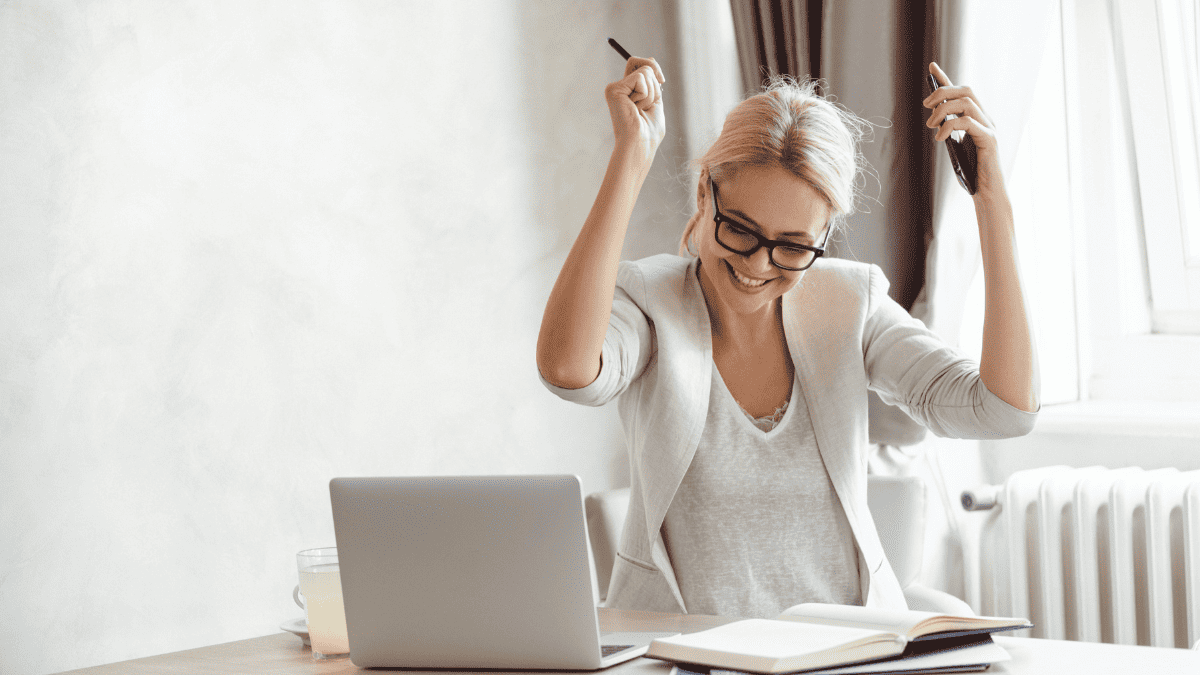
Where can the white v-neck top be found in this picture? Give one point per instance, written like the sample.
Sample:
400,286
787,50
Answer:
756,525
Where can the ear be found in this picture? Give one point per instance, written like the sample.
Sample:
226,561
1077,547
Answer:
702,188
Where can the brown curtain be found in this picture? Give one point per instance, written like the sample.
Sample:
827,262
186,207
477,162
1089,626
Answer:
872,56
811,38
777,37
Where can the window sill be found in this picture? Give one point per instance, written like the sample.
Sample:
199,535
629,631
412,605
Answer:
1149,434
1155,369
1140,418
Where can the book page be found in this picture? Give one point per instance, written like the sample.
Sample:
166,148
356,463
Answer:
910,623
972,657
768,638
982,653
892,620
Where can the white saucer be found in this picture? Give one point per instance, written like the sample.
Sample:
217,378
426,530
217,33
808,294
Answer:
297,627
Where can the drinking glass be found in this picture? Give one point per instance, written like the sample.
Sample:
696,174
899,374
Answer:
321,586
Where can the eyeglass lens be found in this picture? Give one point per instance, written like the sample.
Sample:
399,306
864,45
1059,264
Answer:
742,241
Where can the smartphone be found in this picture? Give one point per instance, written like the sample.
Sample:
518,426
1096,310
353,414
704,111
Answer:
961,149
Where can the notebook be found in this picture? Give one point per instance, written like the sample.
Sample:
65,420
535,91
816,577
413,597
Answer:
471,572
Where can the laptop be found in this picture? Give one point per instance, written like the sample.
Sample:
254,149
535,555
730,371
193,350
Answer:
471,572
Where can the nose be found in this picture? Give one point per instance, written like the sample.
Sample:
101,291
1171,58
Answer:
759,262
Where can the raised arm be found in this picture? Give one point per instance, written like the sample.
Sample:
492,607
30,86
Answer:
577,313
1007,365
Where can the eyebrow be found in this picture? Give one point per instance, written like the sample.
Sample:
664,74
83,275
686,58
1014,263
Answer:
748,219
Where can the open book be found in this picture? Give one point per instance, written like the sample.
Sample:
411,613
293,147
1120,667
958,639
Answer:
817,636
918,658
910,623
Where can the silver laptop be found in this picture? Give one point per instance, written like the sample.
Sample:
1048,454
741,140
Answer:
471,572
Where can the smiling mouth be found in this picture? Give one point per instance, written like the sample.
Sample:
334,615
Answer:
744,281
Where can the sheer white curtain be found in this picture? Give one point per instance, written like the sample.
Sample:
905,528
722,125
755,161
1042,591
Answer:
709,80
998,50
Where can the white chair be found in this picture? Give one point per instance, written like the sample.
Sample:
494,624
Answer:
605,520
897,504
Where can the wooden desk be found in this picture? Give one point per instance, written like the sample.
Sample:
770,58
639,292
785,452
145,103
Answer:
285,653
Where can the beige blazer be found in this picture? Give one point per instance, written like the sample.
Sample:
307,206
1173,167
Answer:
845,335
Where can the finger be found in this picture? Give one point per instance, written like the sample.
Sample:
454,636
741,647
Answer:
944,89
651,86
956,124
636,62
982,136
644,85
655,96
981,114
648,83
949,94
655,91
638,88
946,93
958,106
939,74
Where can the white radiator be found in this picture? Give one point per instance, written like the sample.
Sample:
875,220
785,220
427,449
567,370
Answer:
1094,554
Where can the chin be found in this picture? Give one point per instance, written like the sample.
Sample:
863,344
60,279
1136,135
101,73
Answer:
738,295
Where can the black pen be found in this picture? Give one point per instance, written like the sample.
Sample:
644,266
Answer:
620,50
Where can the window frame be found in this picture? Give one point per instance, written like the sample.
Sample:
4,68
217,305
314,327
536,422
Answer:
1132,344
1141,54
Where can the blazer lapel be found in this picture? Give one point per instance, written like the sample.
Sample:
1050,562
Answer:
689,360
811,338
835,396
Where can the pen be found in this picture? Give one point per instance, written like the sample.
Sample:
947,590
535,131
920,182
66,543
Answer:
620,50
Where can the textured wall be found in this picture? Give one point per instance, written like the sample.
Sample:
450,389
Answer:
247,247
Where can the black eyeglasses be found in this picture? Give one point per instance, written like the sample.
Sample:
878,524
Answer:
735,237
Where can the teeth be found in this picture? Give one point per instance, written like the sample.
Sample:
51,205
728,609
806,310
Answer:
745,281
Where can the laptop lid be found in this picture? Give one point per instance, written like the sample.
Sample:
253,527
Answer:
466,572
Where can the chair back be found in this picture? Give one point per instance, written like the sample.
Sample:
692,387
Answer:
605,520
897,504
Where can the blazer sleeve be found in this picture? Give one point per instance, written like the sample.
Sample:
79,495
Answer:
628,344
911,367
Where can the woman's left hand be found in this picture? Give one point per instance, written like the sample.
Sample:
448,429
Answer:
1007,365
948,99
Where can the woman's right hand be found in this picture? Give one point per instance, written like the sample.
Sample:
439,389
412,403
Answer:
635,104
570,343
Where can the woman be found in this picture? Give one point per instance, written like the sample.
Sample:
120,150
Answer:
742,372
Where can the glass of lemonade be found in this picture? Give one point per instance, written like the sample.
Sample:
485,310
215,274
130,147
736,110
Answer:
321,586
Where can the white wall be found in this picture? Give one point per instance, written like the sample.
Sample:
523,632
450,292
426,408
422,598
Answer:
247,247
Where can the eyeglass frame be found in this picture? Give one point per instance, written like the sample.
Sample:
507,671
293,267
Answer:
763,242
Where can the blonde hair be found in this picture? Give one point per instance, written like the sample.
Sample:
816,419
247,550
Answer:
787,125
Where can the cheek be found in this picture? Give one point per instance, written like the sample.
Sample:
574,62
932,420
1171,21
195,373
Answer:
708,248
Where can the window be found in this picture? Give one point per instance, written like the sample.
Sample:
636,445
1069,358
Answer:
1038,185
1157,42
1106,194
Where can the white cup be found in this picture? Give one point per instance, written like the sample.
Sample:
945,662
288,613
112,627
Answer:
321,588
